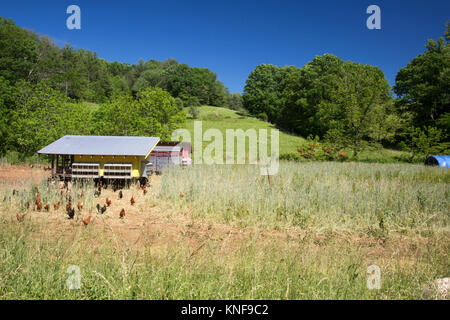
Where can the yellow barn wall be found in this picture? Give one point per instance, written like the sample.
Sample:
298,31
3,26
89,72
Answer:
136,161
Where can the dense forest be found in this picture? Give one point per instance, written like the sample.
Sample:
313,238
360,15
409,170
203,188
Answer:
47,91
81,75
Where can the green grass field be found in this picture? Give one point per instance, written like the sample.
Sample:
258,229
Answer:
223,118
224,232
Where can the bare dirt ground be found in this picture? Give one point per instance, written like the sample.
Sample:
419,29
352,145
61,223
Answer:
16,173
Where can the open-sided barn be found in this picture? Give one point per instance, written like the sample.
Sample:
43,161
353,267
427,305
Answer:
107,157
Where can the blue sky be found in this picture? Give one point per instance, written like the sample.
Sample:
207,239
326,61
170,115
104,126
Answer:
232,37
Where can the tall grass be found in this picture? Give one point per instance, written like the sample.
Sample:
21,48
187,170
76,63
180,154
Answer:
309,234
37,269
337,196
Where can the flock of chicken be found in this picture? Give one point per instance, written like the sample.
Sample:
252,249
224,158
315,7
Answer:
70,210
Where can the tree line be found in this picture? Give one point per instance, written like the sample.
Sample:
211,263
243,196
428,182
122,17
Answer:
36,115
81,75
352,106
47,92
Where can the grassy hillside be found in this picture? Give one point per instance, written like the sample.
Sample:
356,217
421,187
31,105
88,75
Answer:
222,119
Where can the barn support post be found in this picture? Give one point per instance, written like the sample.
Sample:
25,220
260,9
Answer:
53,165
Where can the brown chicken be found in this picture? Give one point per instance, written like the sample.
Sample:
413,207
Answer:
108,202
68,206
39,206
122,213
80,206
20,217
132,201
87,220
47,207
56,205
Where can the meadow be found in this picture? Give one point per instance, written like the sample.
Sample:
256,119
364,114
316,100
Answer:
223,119
225,232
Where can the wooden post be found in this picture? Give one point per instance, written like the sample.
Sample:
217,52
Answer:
53,165
64,166
269,177
57,164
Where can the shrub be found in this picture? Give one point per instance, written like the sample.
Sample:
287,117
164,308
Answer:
425,142
263,116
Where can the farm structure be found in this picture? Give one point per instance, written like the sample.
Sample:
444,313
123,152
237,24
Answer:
171,152
102,157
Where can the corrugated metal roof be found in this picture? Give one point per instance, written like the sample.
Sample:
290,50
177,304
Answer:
101,145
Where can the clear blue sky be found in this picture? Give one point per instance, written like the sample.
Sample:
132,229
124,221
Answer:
232,37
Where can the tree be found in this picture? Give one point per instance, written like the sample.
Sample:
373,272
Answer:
81,75
157,113
152,113
361,111
7,106
179,103
149,78
263,90
41,115
425,142
193,104
18,51
184,82
234,101
423,86
307,92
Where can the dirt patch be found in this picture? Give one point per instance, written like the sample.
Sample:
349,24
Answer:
13,174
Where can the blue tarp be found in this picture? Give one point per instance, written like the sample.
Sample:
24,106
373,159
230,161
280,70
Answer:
441,161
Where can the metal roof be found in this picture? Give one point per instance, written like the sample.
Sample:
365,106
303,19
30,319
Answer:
101,146
167,148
